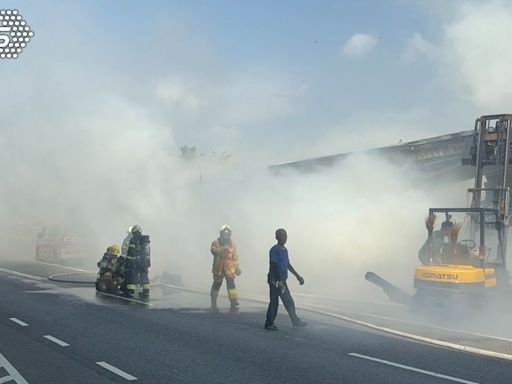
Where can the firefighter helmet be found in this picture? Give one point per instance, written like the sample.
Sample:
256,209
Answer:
115,250
135,228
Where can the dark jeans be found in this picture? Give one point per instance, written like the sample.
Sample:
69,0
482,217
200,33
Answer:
286,297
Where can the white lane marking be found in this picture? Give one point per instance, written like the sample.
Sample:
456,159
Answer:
18,321
438,327
6,379
457,347
408,368
13,374
56,341
117,371
19,274
446,344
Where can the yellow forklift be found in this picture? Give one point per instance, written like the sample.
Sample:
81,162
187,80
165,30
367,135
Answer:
466,256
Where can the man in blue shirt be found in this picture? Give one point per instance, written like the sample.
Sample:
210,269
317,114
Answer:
277,275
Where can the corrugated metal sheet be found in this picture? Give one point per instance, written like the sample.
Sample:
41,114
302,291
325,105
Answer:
440,155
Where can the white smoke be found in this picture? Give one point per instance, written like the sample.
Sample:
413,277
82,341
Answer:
475,49
92,141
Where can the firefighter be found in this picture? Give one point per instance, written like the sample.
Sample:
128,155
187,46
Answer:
138,261
225,266
122,263
126,241
107,278
109,258
277,276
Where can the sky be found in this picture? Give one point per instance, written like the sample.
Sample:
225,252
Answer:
96,108
281,80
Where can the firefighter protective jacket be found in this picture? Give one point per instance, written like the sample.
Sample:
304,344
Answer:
225,258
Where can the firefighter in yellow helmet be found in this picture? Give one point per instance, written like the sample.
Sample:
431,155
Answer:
225,266
107,277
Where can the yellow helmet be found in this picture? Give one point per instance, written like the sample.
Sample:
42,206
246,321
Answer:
115,249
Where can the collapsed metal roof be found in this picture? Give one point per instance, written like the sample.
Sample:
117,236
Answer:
436,156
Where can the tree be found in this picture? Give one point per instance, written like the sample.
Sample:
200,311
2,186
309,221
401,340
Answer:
188,153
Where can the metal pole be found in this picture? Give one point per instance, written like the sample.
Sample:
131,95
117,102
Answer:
478,175
507,151
475,203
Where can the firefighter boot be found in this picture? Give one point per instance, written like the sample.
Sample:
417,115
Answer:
145,291
214,293
213,306
234,305
130,290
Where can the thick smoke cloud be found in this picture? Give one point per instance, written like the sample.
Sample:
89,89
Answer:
474,42
364,214
90,138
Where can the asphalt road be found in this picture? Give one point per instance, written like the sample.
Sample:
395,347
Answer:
63,333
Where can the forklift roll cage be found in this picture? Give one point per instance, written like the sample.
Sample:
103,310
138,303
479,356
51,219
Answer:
479,217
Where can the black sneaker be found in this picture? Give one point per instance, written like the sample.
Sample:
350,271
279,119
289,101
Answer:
300,324
271,327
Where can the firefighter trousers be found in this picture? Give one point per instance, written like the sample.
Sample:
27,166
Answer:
135,276
217,283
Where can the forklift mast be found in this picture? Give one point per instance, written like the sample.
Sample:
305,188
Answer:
490,154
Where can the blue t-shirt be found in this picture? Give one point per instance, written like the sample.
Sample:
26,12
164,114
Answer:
279,255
